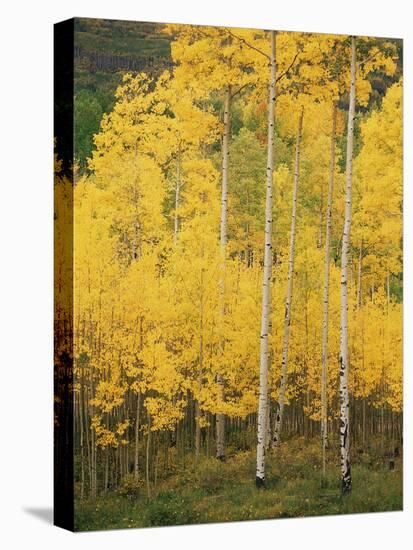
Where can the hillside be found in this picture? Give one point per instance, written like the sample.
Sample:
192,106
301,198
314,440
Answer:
104,51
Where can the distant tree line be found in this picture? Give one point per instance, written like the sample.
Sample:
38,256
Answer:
95,60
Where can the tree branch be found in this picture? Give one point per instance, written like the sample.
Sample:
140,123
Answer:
246,43
239,90
289,67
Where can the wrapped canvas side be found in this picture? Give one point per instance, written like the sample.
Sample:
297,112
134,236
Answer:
63,275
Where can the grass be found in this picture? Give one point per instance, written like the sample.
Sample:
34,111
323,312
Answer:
212,491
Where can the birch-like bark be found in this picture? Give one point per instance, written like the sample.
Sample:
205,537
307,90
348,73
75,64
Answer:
324,434
288,302
220,417
266,296
177,195
344,364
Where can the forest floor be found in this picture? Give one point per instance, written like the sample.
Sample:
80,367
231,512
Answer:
212,491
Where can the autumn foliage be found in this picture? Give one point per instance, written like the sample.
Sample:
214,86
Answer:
154,325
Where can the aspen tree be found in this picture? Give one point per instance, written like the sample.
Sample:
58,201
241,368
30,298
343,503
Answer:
266,296
220,417
324,411
343,360
289,297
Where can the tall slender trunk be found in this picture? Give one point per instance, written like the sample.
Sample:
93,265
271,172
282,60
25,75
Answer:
93,447
320,229
94,467
306,419
220,418
324,413
177,195
155,474
364,423
266,296
344,363
200,372
138,406
288,302
106,482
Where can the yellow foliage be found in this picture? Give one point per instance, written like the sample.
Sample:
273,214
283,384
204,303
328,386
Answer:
147,303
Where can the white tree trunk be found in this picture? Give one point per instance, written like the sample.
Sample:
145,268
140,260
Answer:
220,417
344,364
324,412
266,296
288,302
359,276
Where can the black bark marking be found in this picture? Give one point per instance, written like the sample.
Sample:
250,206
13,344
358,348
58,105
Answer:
260,482
346,481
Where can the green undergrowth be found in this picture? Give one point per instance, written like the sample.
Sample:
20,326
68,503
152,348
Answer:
214,491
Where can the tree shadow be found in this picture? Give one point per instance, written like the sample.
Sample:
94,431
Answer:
45,514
